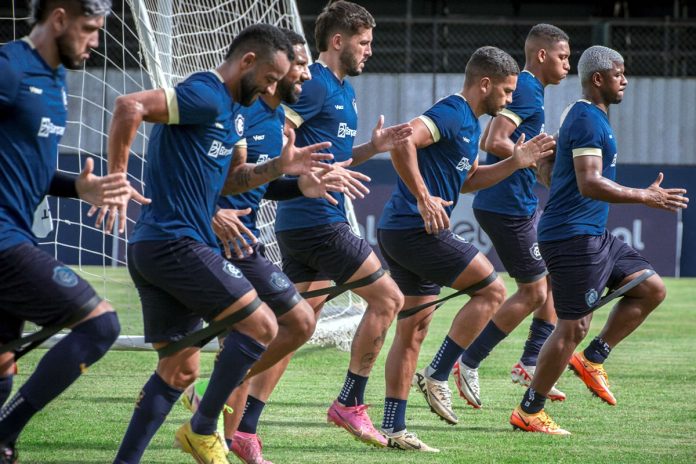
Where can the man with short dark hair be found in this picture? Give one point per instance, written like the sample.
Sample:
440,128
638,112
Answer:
439,161
35,286
173,254
507,212
582,256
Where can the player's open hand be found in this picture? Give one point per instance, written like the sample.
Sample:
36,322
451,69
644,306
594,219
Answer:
109,195
231,231
671,199
335,178
296,161
526,154
432,209
385,139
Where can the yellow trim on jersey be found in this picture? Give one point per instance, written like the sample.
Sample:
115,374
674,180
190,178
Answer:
218,75
172,106
241,144
434,131
295,118
590,151
511,115
28,41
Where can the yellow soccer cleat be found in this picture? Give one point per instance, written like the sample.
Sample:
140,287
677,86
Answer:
593,375
205,449
539,422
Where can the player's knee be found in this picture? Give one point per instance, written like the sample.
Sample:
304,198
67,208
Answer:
392,300
495,294
102,330
534,295
656,291
266,326
182,377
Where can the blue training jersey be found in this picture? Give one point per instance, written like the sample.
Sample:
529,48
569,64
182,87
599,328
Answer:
584,132
326,112
264,141
33,112
444,164
188,160
514,196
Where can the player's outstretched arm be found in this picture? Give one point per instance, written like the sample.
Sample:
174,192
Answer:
591,183
405,159
231,231
525,154
496,137
334,178
383,140
292,161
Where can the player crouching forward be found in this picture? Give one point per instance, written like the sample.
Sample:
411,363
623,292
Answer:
582,256
439,161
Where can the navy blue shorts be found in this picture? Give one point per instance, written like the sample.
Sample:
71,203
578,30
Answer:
421,263
38,288
181,282
274,287
583,266
325,252
515,241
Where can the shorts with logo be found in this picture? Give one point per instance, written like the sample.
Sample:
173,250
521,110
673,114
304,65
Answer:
38,288
325,252
274,287
582,266
515,241
181,282
421,263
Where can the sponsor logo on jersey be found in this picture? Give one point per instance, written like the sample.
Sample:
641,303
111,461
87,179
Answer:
218,149
219,125
464,164
466,139
262,159
591,297
534,251
35,90
345,131
239,125
64,276
47,128
232,270
259,137
613,160
279,281
338,107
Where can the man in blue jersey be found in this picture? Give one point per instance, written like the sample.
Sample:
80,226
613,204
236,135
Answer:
582,256
439,161
507,212
173,255
316,241
36,287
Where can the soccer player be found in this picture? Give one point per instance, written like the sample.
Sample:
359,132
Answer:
582,256
173,255
439,161
36,287
507,212
296,322
316,241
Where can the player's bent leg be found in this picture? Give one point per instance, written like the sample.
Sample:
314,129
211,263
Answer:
7,372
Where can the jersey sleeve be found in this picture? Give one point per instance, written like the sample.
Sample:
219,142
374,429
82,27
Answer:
585,137
443,120
310,103
193,101
9,84
522,107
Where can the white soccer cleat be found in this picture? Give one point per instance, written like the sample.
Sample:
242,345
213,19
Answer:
467,383
437,394
523,374
407,441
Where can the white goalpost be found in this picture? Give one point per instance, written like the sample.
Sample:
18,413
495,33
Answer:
150,44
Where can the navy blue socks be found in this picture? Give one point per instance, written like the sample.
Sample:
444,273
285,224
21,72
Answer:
252,413
539,331
353,391
394,415
480,348
444,360
597,351
532,401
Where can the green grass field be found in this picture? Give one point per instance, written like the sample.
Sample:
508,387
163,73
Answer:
653,374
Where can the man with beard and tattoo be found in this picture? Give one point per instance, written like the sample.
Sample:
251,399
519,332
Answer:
316,242
235,224
173,254
35,286
438,162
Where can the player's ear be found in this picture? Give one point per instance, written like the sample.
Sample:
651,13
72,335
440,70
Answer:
485,85
541,55
597,79
59,19
248,60
336,41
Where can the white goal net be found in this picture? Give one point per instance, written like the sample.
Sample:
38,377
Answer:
150,44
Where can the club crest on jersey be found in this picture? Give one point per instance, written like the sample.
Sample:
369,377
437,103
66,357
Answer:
591,297
232,270
47,128
239,125
279,281
534,251
64,276
464,164
345,131
218,149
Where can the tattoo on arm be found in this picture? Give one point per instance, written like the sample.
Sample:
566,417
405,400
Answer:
270,169
242,176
